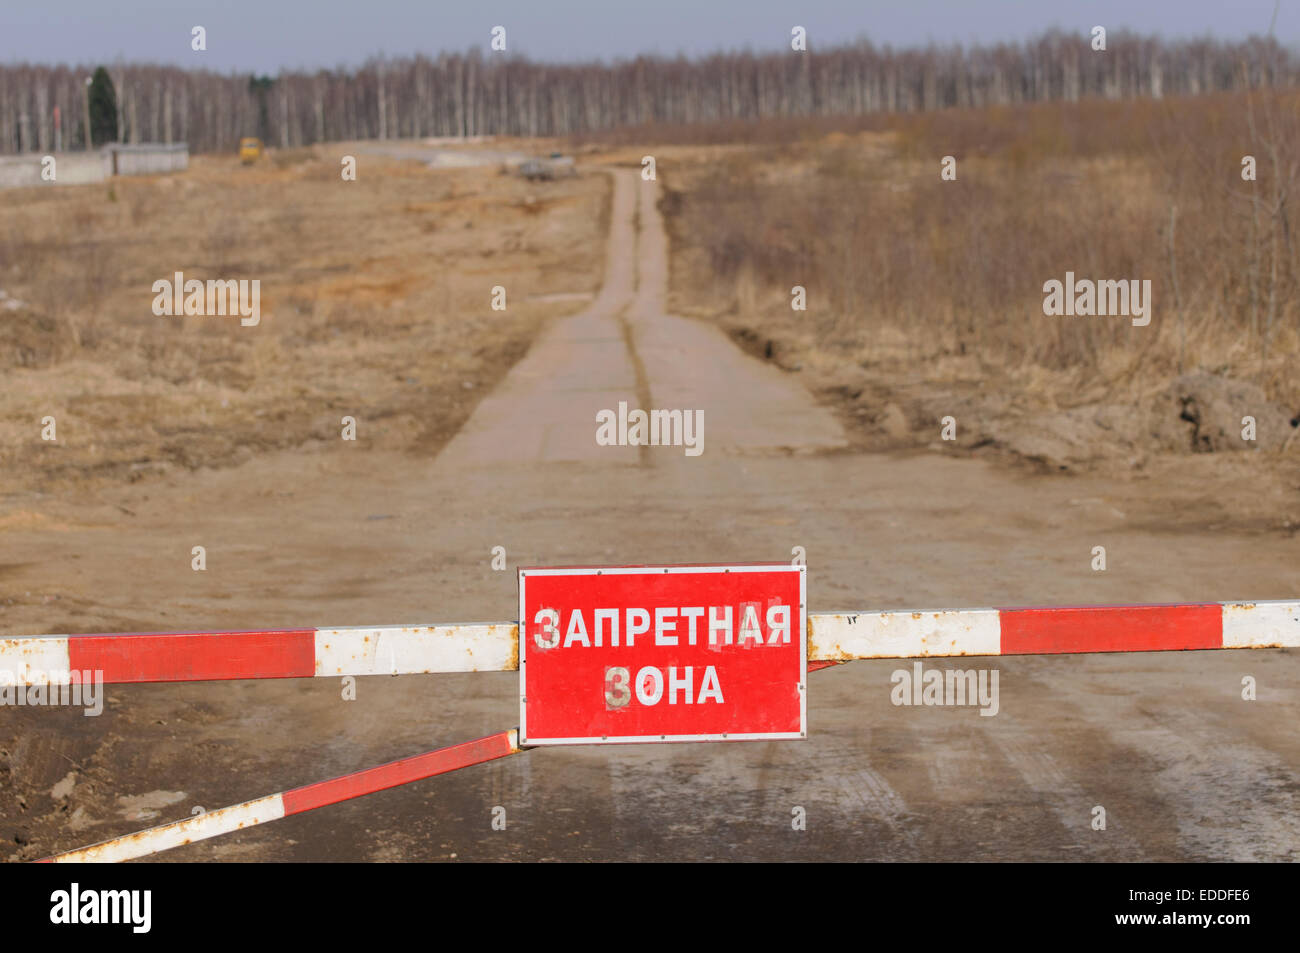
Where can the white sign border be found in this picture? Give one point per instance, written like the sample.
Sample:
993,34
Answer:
802,570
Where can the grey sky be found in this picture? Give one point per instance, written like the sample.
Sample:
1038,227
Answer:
267,35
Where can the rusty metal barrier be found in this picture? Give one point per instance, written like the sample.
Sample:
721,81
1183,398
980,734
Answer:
832,638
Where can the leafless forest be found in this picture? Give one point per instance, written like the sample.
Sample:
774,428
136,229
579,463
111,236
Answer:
501,94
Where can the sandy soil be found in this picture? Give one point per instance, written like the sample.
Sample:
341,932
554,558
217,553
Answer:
340,535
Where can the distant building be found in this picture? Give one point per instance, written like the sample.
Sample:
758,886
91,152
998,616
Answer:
146,158
82,168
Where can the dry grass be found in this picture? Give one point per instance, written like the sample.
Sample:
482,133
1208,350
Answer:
916,278
375,304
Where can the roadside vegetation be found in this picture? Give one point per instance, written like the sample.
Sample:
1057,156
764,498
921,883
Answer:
925,296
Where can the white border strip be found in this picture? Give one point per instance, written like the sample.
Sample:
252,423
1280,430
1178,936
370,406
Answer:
416,649
944,632
155,839
32,661
1251,625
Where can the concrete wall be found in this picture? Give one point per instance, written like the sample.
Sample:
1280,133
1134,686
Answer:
70,168
152,158
82,168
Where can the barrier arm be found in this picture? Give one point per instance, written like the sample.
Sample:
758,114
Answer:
309,797
263,653
1033,630
494,647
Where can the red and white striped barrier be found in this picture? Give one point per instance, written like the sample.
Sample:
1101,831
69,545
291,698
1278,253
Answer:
1053,631
395,650
494,647
297,801
266,653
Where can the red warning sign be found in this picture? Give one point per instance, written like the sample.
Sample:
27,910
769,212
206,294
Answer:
662,653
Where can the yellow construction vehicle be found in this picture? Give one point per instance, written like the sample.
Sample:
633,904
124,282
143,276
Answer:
250,150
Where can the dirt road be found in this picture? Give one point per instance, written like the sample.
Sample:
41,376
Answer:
344,535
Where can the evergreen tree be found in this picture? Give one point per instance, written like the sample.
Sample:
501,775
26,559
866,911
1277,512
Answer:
103,108
259,86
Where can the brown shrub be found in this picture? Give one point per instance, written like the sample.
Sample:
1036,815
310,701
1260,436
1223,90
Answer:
1116,190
